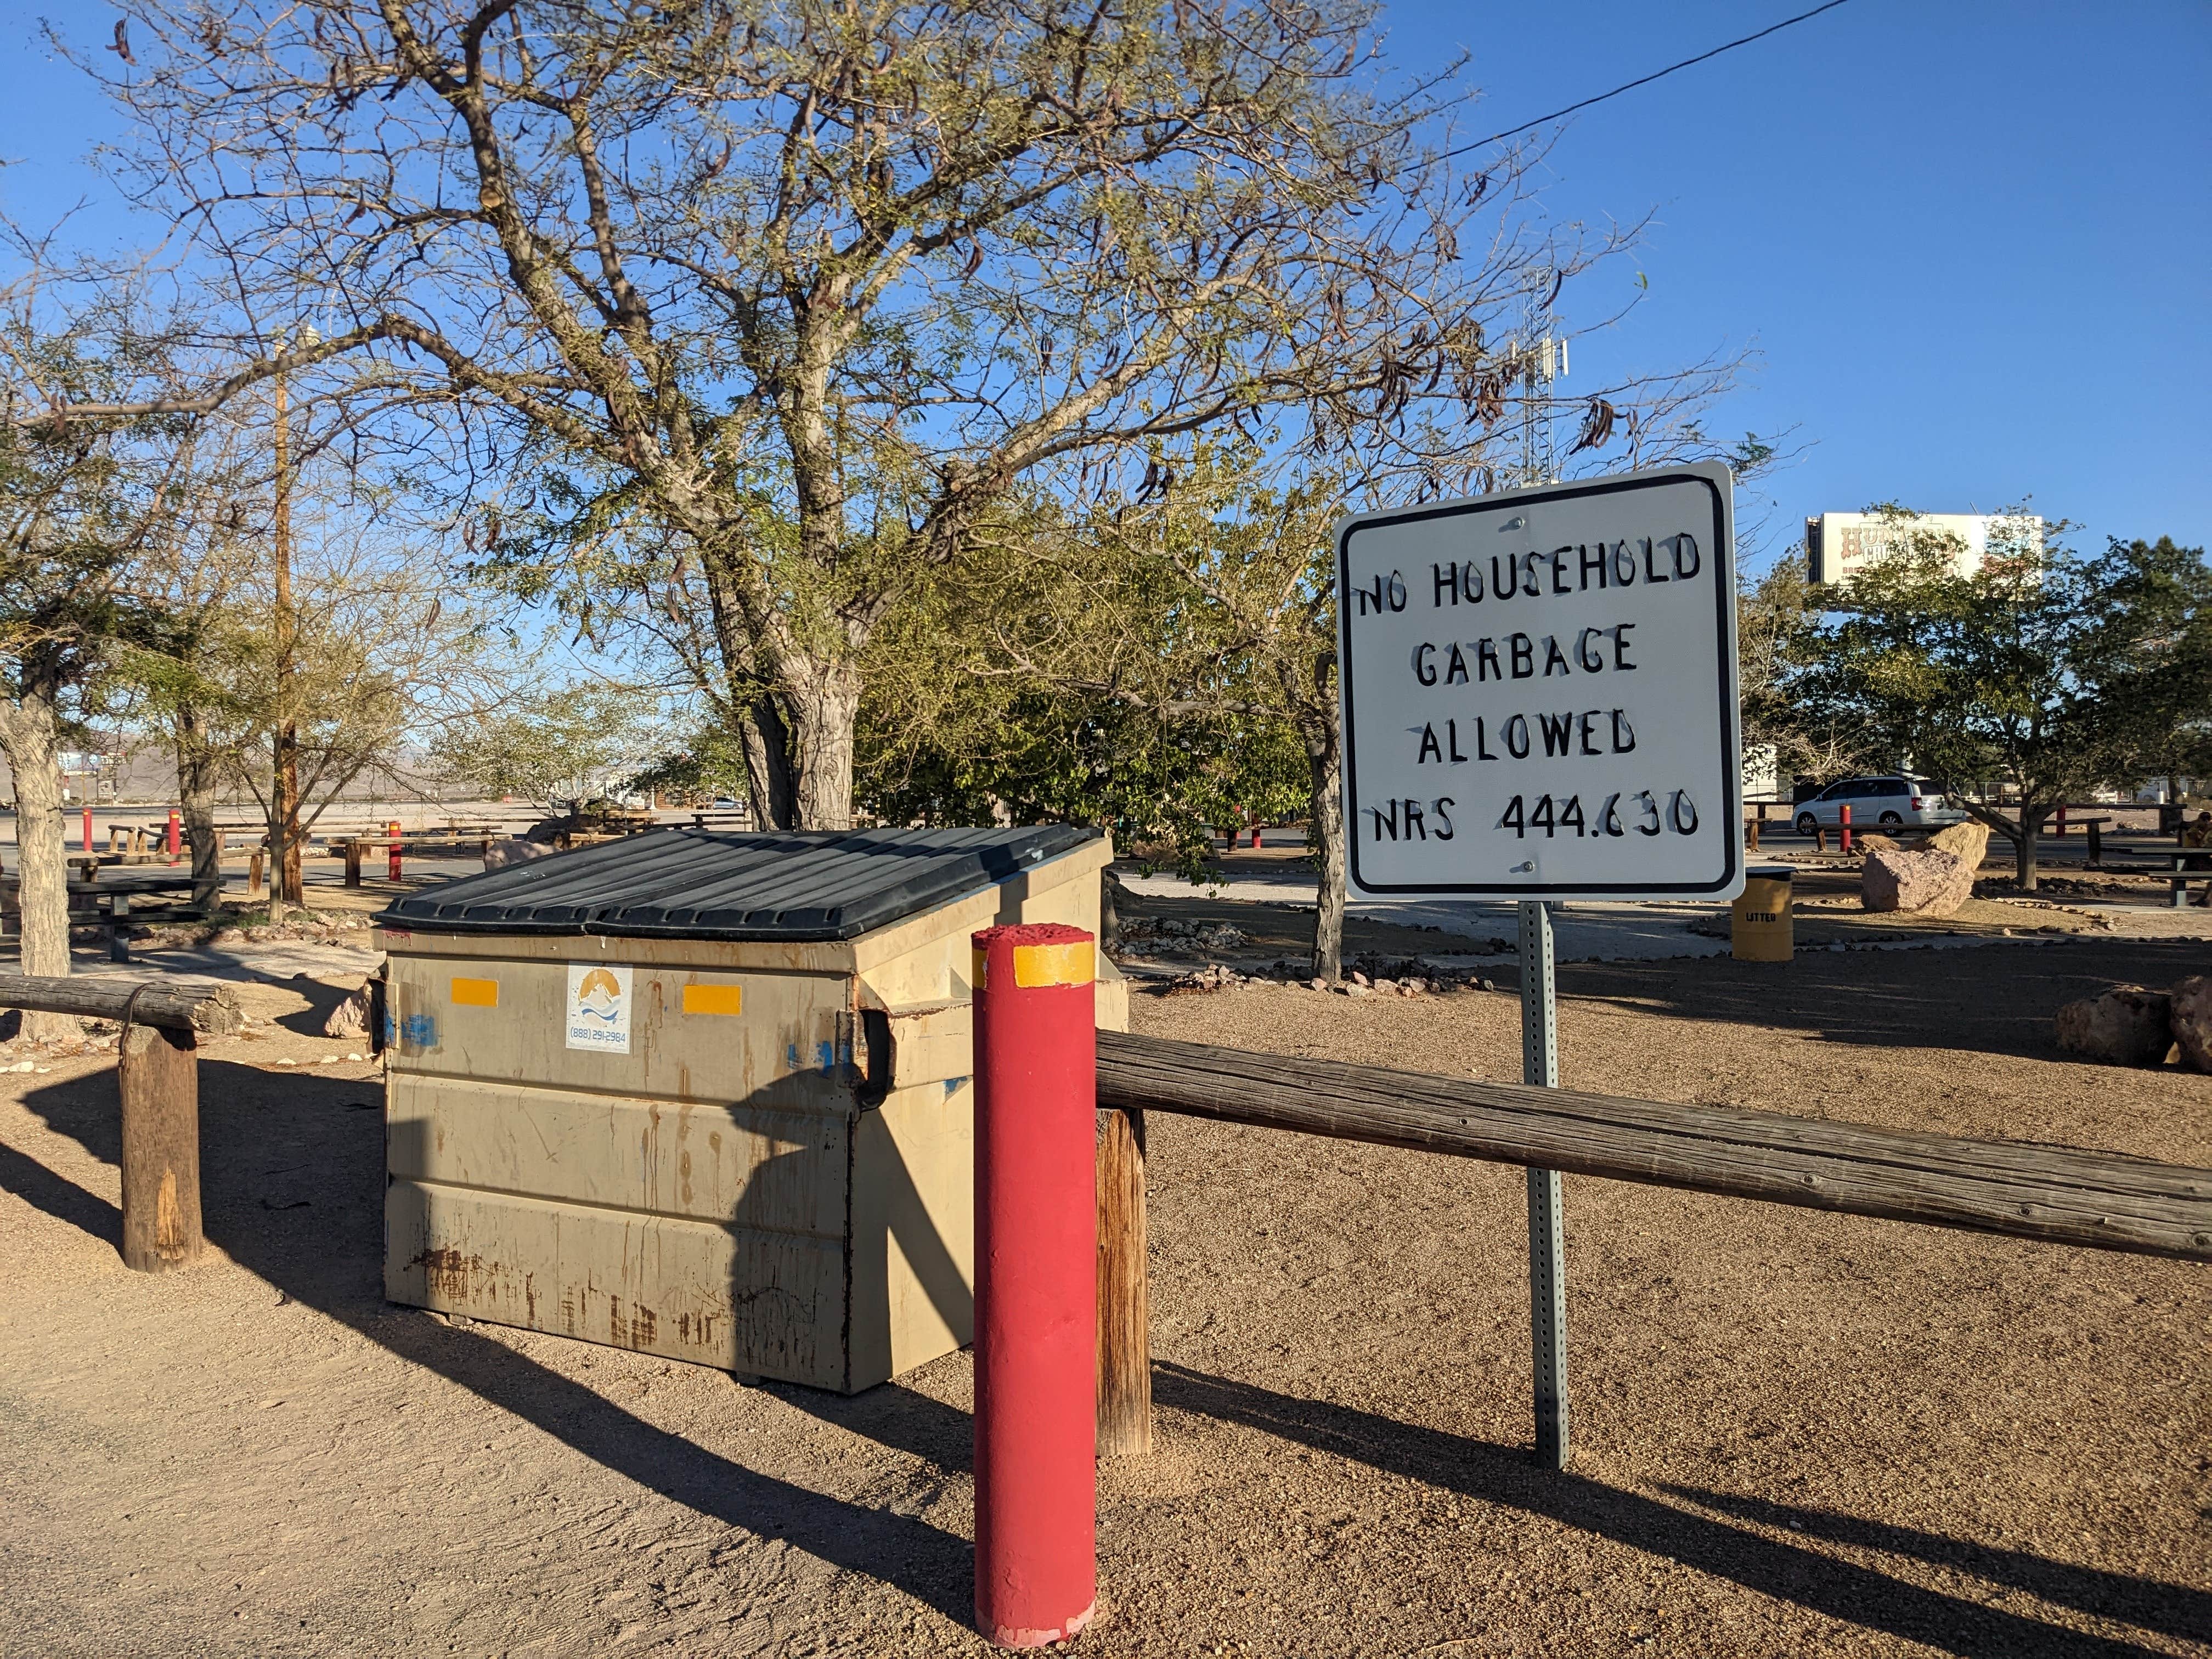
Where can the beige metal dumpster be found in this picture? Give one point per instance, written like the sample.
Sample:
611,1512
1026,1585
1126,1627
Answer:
709,1096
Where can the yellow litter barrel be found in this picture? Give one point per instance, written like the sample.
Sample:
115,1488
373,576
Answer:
1760,928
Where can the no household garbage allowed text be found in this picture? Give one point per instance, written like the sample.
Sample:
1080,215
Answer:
1540,692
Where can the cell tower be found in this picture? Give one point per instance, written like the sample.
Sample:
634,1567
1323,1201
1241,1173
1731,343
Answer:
1544,361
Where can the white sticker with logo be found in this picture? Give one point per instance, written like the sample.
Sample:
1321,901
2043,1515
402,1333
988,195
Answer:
599,1007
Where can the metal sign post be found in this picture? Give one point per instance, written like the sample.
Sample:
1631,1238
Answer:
1548,1256
1538,692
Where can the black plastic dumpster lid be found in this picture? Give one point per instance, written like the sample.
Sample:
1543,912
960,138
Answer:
695,883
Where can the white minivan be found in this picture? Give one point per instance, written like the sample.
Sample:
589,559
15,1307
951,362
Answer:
1877,803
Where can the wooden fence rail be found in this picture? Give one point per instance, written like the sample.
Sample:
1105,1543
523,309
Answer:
2058,1194
212,1009
157,1077
2103,1201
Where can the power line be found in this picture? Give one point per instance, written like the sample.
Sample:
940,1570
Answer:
1644,82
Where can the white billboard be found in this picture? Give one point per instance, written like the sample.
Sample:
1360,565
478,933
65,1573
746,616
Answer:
1839,545
1539,693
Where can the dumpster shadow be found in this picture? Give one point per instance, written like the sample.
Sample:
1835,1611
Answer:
895,1416
1840,1590
292,1188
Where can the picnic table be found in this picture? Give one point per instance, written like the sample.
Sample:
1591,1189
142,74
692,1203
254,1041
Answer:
2175,861
103,903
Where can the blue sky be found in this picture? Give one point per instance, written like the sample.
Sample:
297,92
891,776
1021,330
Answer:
1972,242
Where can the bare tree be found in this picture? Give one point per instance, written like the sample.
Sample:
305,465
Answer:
809,290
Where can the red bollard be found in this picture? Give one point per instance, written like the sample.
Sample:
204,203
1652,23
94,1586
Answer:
1037,1286
392,867
176,834
1846,813
2060,831
1255,837
87,829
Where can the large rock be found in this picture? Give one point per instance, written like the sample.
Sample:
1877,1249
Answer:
501,854
1969,840
2191,1015
1925,883
350,1018
2126,1025
1875,842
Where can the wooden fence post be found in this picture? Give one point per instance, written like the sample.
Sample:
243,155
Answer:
353,861
157,1074
1125,1354
254,873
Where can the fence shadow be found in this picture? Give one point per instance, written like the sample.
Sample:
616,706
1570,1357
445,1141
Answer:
2171,1609
1843,1590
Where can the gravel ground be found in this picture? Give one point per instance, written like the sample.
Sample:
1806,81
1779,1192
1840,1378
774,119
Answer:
1795,1432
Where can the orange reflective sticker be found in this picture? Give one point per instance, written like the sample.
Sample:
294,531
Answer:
1075,963
713,999
476,993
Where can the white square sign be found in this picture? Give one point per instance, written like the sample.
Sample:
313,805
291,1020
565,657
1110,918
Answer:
599,1007
1539,693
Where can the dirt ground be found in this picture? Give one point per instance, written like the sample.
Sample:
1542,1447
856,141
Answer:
1794,1433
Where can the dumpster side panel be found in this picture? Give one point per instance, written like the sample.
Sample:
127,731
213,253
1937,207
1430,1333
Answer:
765,1303
765,1039
913,1273
781,1171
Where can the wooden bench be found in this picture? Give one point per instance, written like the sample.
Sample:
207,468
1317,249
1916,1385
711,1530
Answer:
157,1077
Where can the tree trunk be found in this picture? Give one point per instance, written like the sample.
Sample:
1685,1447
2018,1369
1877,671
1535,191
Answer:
196,787
825,711
2023,846
285,880
273,817
29,732
768,764
1325,838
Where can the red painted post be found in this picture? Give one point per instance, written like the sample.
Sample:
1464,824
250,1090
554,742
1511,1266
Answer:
1036,1286
2061,830
87,829
1255,837
391,868
1845,838
176,834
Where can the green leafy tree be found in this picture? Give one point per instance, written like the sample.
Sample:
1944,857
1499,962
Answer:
1778,641
2050,673
81,501
555,749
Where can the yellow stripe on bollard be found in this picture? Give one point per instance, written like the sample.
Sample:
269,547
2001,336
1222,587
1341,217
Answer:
1072,964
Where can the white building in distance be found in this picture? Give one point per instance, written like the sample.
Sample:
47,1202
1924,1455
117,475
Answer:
1839,545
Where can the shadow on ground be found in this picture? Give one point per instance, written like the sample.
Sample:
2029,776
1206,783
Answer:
293,1190
1843,1590
1998,999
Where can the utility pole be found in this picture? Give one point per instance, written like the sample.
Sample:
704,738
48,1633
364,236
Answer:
285,877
